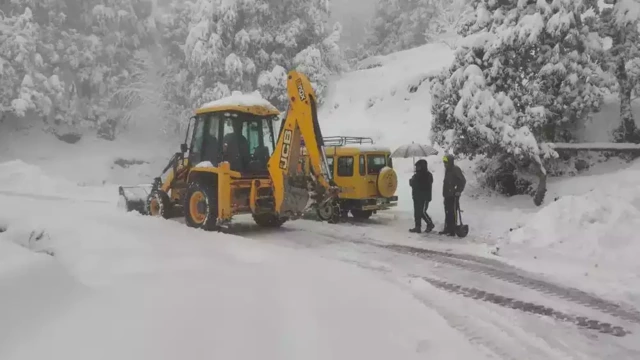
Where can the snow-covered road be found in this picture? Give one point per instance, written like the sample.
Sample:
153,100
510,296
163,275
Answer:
91,282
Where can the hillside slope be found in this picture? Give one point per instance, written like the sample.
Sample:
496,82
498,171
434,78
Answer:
378,103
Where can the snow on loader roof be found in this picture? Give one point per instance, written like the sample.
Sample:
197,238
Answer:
252,103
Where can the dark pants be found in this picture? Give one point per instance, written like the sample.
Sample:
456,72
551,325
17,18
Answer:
420,206
450,215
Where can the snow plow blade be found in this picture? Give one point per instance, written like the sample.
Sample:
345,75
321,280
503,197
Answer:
134,198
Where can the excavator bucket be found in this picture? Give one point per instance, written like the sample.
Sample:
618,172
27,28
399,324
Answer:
134,198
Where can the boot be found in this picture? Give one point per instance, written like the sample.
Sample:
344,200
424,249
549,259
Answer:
416,230
444,232
430,227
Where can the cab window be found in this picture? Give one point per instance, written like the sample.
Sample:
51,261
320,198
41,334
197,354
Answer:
345,166
330,163
198,134
205,145
361,164
375,163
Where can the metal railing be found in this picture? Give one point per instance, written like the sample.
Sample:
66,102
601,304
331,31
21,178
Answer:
346,140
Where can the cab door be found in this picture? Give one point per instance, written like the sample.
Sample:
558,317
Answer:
345,175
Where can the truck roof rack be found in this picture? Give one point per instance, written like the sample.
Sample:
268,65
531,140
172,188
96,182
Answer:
346,140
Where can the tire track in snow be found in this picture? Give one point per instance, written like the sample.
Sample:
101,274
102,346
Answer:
504,272
505,302
567,293
484,330
528,307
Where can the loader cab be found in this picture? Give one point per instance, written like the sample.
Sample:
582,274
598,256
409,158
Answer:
242,136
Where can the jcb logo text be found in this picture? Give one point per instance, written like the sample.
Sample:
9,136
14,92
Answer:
286,149
301,90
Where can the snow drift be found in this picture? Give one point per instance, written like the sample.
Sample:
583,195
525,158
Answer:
601,223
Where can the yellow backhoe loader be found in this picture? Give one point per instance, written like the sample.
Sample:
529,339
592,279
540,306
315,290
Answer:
230,164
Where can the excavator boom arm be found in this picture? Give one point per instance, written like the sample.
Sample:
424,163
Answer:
290,189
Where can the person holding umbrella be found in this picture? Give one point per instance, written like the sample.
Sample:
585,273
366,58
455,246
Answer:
421,184
452,187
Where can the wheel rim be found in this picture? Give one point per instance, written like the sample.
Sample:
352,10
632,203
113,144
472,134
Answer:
154,207
325,212
194,209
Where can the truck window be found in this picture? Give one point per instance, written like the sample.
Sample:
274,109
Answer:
345,166
375,163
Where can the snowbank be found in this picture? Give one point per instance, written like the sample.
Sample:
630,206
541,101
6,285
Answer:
601,223
588,236
33,285
19,178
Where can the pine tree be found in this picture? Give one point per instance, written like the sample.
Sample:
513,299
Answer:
523,76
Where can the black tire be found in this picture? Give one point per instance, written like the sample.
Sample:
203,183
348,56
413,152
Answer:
330,214
269,220
336,214
159,204
205,199
361,214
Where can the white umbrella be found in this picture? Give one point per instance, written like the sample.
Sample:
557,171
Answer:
414,150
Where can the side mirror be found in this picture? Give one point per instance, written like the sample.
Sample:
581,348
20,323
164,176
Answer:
183,148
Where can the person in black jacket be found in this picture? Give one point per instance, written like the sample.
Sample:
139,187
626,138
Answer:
452,187
421,185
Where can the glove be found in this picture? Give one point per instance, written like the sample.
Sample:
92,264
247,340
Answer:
458,194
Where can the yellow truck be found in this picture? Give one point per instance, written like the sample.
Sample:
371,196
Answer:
364,174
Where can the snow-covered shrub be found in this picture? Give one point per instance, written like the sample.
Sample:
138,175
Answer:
506,175
522,75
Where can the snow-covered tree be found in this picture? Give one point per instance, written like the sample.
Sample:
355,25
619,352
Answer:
24,86
216,47
523,76
621,23
66,58
444,27
404,24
